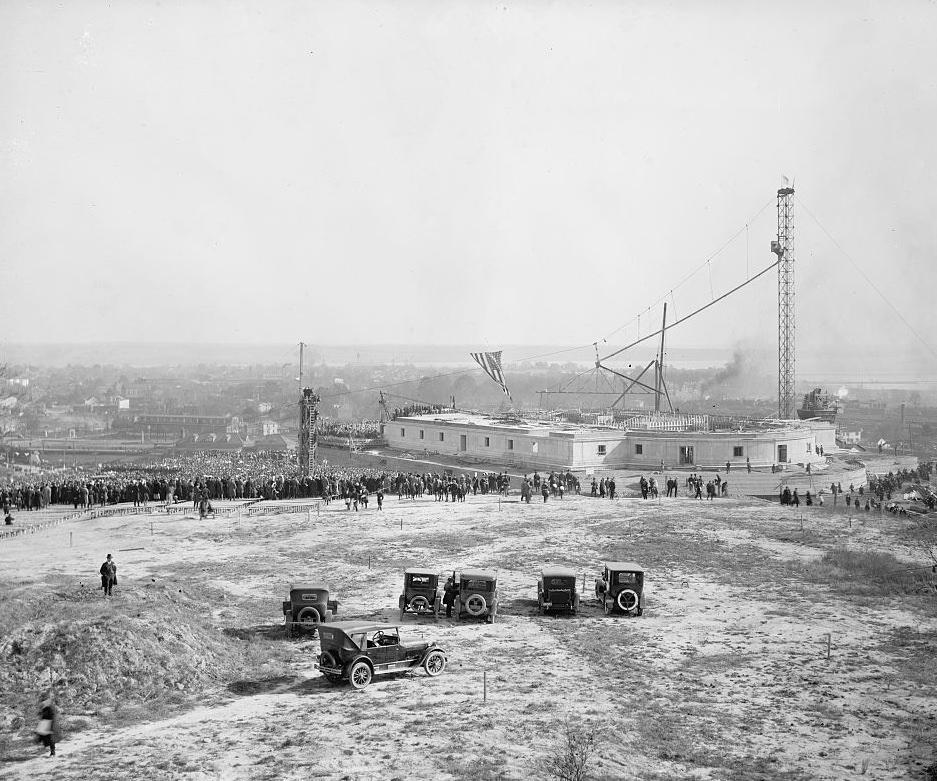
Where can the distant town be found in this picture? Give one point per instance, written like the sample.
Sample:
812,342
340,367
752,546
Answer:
54,416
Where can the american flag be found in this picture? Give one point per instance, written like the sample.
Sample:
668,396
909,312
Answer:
491,363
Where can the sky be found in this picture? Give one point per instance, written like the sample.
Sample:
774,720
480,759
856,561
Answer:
466,172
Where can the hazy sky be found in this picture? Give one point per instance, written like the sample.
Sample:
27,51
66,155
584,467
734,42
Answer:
464,172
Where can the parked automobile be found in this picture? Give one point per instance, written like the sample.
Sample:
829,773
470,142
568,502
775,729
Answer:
621,587
356,651
477,595
308,606
556,590
421,595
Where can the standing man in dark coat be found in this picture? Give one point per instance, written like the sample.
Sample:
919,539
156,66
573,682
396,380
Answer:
108,575
449,592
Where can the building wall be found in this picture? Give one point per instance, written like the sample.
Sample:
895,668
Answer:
600,449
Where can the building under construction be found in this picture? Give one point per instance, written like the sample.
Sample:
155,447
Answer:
638,441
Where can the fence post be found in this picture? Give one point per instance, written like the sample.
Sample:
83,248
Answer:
484,686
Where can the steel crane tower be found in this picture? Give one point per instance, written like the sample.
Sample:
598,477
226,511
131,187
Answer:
784,249
308,439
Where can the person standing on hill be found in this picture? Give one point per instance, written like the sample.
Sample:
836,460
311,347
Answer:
108,575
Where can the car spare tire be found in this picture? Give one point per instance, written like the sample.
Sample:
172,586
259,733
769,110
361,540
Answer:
308,615
327,659
419,604
627,599
476,605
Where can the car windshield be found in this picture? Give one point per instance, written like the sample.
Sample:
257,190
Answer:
383,637
476,585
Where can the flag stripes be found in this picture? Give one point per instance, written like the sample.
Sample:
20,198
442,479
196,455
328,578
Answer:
491,363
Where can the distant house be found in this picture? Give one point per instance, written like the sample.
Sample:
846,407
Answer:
852,437
263,407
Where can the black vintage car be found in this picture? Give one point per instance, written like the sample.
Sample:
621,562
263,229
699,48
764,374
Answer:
477,595
556,591
356,651
621,587
421,595
308,606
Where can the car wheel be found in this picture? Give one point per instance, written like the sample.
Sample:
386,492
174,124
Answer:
435,663
627,600
475,605
329,661
360,675
419,604
309,616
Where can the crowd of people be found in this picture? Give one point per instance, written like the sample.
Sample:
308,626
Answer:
203,476
365,429
210,475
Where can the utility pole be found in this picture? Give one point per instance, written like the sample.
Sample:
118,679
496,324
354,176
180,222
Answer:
659,373
301,346
784,249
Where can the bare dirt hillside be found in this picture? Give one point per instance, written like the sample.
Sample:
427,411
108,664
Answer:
767,650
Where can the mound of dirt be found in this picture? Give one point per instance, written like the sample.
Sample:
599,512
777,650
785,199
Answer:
148,643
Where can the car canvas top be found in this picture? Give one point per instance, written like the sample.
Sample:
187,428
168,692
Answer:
356,627
419,571
309,587
557,572
627,566
478,574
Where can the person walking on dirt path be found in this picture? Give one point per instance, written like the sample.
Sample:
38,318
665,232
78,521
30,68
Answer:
108,575
545,491
728,467
380,498
47,727
748,465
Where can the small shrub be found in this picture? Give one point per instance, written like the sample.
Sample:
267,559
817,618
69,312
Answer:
572,764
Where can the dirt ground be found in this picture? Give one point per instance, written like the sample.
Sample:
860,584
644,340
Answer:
753,660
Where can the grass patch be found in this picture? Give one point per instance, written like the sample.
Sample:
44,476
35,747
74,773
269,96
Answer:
869,573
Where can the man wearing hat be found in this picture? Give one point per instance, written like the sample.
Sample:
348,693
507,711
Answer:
108,575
